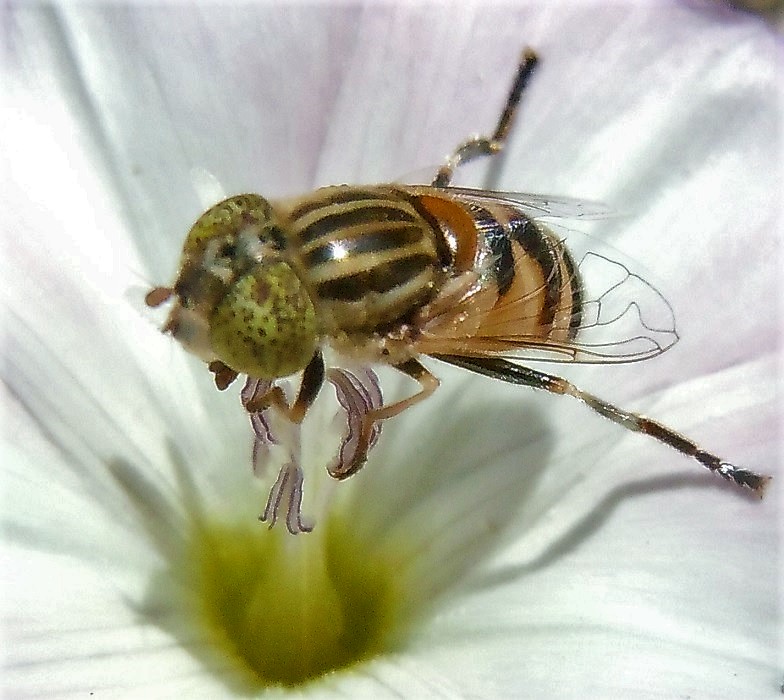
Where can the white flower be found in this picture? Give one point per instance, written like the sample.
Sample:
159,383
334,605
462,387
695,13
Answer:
498,543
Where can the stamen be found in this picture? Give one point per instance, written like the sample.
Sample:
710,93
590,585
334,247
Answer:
263,439
286,490
358,395
253,390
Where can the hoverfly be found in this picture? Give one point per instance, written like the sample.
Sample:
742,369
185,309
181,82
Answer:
389,273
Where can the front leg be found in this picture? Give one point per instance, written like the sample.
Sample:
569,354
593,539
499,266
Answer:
312,380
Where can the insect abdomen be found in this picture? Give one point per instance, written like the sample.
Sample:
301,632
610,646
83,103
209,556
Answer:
560,296
537,284
369,255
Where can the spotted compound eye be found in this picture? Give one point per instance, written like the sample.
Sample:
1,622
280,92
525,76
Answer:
265,326
226,220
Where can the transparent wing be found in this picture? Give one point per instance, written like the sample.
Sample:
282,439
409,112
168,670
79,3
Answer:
616,314
622,318
539,206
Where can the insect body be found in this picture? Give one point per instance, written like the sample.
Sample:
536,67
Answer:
389,273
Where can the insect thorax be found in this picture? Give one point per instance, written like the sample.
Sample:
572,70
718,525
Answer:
369,256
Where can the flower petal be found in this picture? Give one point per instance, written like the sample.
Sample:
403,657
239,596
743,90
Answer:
617,584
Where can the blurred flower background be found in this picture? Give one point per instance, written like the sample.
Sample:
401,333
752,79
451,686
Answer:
531,548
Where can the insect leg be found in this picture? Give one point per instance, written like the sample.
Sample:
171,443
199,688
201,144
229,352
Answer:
515,374
312,379
427,381
479,146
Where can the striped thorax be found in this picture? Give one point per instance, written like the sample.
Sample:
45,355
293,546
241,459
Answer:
369,256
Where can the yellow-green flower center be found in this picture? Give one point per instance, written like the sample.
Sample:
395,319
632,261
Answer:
286,610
